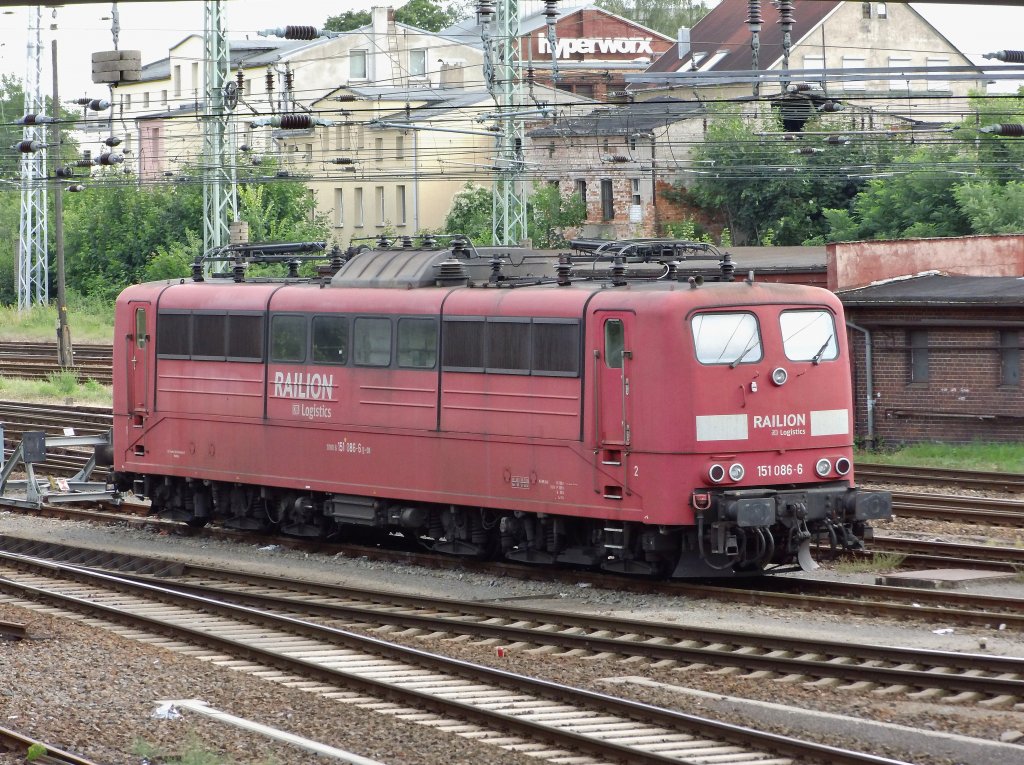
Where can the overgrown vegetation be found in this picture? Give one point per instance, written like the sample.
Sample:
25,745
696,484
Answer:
876,563
548,214
192,752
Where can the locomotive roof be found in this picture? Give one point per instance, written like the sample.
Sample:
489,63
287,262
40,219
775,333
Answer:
408,268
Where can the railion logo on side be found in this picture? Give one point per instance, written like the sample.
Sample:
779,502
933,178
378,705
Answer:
780,420
303,385
567,46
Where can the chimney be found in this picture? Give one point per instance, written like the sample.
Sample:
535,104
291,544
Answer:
683,42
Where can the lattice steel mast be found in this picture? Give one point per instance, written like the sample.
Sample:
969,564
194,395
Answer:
32,243
219,201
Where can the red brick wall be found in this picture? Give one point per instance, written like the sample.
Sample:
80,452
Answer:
963,399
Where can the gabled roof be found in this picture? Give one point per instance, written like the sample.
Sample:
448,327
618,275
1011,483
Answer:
939,289
641,117
725,29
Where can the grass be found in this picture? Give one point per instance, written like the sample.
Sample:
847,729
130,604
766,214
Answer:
58,388
90,322
876,563
1002,458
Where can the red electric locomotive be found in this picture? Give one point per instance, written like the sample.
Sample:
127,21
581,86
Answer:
617,414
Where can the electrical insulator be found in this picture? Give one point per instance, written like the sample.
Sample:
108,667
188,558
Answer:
240,79
245,148
838,140
270,80
1012,130
28,147
76,187
67,171
485,11
98,104
551,10
343,161
620,158
344,98
289,80
806,150
831,106
35,119
1009,56
754,18
798,87
786,15
301,32
296,122
109,159
112,141
283,174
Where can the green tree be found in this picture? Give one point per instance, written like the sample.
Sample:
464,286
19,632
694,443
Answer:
550,214
992,208
665,16
471,214
347,21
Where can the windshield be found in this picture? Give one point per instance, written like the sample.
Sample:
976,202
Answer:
809,335
726,338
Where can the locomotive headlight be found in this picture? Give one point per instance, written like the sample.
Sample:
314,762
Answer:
736,471
716,473
843,466
779,376
823,467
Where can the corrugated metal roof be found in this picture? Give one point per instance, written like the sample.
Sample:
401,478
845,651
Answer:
725,29
932,289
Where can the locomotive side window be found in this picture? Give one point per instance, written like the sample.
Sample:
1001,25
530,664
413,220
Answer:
417,343
614,343
556,348
140,328
463,344
726,338
245,337
288,338
330,339
173,335
209,335
808,335
508,346
371,342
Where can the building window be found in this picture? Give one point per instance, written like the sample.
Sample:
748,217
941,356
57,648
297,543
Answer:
308,154
581,191
339,138
853,62
357,65
360,136
634,184
399,147
1009,357
339,207
607,200
197,83
815,61
163,97
917,346
378,149
176,80
898,65
145,100
126,102
865,9
380,206
937,63
400,205
418,62
359,221
881,11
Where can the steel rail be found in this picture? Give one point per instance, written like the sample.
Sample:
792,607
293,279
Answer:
974,510
642,713
868,472
13,741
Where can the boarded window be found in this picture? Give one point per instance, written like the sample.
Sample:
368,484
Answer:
371,342
917,343
1009,357
174,334
209,335
330,339
245,337
556,348
607,200
508,346
463,344
417,343
288,338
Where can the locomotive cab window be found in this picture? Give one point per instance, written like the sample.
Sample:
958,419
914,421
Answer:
140,328
371,342
330,339
614,343
417,343
809,336
173,335
726,338
288,338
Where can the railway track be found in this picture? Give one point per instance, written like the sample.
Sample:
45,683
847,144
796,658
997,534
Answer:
953,676
551,720
868,472
34,750
37,361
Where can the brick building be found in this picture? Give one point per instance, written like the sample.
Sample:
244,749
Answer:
612,158
594,49
935,328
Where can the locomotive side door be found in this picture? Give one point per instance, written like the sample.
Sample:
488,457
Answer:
138,356
612,354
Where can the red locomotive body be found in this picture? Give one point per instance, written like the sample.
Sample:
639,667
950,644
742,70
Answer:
639,425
